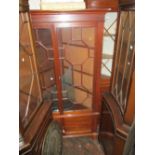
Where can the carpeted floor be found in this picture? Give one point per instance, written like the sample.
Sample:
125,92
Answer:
81,146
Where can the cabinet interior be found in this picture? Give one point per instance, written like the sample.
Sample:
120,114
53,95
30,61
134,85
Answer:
76,47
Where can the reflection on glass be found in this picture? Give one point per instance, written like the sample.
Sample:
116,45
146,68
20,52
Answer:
76,50
29,90
124,62
45,57
108,43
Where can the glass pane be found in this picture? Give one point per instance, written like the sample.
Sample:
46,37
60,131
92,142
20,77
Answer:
76,48
45,57
107,65
129,60
29,89
124,59
110,24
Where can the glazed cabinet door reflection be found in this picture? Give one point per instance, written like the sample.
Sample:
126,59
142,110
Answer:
74,42
30,96
66,56
124,59
76,47
45,59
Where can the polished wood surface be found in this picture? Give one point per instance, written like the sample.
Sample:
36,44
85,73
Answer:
110,4
120,127
105,84
130,112
126,2
113,123
34,134
77,122
108,125
107,140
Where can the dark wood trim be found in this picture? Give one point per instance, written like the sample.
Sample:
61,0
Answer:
34,57
86,11
120,127
21,128
127,4
93,135
102,4
130,109
73,44
115,54
107,134
119,143
36,129
106,139
127,8
105,84
97,67
57,68
23,6
35,125
77,115
97,77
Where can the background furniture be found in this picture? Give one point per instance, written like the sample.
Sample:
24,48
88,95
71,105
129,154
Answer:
34,112
118,107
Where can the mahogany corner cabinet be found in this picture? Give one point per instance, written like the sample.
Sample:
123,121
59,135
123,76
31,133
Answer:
69,53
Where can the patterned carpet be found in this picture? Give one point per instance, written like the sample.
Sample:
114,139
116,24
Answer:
81,146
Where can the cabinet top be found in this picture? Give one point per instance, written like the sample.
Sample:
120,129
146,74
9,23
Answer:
42,16
85,11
